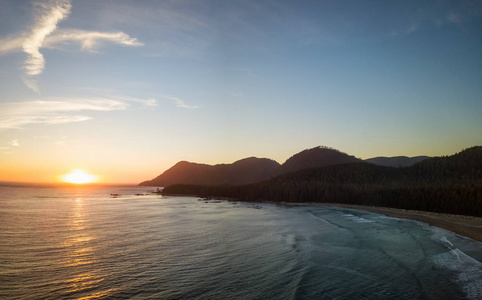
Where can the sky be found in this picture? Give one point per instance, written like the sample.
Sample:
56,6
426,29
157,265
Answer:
125,89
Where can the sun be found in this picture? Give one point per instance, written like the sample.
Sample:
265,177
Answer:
79,176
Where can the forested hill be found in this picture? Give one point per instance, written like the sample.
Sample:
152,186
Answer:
316,157
463,167
396,162
248,170
244,171
450,184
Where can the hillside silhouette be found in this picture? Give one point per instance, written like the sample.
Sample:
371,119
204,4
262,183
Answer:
316,157
451,184
396,162
463,167
248,170
244,171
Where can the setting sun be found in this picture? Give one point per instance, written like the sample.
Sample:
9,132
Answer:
79,177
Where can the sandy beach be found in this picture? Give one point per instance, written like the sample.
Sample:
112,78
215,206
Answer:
468,226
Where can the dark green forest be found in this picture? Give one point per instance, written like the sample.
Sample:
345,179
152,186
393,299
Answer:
451,184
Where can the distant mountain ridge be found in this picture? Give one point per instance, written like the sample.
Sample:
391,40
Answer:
252,169
449,184
248,170
315,158
396,162
244,171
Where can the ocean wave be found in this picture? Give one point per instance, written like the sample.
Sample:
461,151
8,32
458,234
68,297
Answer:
469,271
357,219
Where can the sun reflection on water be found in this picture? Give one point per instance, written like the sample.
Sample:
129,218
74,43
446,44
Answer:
81,255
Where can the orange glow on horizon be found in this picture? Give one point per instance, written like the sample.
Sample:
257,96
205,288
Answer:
79,176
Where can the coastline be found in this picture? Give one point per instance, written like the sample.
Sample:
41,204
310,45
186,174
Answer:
467,226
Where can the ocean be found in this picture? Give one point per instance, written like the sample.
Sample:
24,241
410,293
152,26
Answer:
82,243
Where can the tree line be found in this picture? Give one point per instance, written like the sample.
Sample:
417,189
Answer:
450,184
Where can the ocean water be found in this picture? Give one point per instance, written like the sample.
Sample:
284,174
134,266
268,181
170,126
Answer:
81,243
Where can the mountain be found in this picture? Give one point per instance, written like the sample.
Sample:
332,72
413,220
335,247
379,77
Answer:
450,184
243,171
462,166
248,170
396,162
315,158
182,172
465,166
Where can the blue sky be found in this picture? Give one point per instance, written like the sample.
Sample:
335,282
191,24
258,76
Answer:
125,89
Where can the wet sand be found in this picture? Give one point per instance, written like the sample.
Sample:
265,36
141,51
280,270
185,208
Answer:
468,226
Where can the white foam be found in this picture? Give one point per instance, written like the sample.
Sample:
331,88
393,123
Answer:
357,219
389,218
469,271
361,220
290,239
455,254
445,240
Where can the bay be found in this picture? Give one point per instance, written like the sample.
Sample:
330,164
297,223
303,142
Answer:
80,242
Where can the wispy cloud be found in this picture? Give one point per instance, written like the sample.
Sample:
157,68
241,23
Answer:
55,111
89,40
44,34
31,84
12,143
179,102
49,15
11,44
151,102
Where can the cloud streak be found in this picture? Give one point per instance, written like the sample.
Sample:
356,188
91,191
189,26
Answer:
145,102
50,14
11,44
44,34
89,40
179,102
56,111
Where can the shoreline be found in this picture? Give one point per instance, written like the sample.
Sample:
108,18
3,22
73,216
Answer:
467,226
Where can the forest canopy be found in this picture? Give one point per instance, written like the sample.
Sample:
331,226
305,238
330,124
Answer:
451,184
